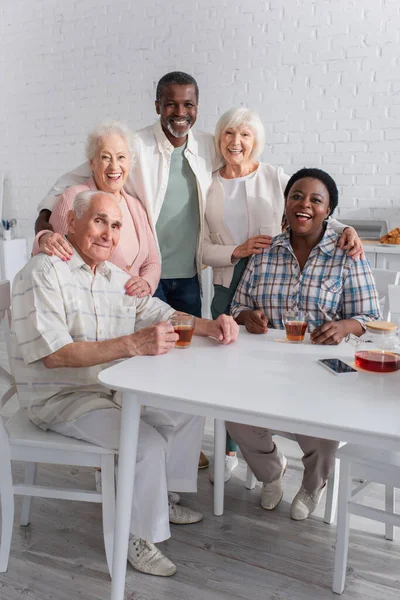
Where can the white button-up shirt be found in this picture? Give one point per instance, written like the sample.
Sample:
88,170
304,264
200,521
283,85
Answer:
149,174
56,303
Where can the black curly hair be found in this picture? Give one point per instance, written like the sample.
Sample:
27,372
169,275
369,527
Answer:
176,78
323,177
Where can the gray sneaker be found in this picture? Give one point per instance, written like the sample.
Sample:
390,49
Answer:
147,558
180,515
304,503
272,493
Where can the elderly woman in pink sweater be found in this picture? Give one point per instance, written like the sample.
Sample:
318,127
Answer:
108,150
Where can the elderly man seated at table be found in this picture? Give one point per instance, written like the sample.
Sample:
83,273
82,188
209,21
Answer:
71,318
304,269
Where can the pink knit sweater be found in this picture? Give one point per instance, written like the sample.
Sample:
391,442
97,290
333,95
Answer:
137,248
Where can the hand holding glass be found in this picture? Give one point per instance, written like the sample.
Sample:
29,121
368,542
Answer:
184,326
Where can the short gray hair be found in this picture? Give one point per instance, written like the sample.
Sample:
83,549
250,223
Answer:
107,128
235,117
83,200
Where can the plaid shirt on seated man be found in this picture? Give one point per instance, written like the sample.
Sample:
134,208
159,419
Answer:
331,286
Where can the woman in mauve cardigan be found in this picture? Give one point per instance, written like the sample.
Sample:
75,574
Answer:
108,150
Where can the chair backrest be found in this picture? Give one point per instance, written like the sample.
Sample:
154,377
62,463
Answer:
5,460
5,320
5,451
5,296
384,278
394,303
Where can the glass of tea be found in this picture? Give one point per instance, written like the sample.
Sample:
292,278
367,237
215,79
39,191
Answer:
295,323
184,326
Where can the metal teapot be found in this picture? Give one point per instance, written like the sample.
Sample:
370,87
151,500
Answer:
378,349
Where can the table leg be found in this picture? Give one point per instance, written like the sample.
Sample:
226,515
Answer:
219,464
130,418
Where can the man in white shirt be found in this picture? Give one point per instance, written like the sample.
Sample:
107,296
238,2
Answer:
71,318
171,173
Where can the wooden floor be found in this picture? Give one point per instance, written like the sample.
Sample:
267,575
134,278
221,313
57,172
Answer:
247,554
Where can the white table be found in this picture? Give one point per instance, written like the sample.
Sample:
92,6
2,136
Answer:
259,380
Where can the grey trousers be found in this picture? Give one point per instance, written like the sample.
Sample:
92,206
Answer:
266,461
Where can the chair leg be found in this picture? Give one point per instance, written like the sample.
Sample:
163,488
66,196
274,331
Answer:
7,512
30,479
108,493
219,464
389,508
342,529
250,479
332,488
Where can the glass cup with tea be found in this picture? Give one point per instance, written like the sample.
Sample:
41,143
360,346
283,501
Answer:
295,322
184,326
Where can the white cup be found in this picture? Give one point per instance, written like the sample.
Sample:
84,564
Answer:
7,234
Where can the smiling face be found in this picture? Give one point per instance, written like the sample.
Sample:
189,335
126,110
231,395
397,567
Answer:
307,206
111,164
178,110
96,234
237,144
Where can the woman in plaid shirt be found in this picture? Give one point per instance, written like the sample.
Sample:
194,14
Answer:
244,209
303,269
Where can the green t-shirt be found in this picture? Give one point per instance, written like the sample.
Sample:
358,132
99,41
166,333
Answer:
178,225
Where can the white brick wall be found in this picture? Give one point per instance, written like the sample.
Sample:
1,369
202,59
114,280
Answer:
324,75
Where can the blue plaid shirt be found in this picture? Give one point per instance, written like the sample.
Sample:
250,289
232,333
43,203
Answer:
330,287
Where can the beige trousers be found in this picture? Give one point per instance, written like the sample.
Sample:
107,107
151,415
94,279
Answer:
266,461
167,459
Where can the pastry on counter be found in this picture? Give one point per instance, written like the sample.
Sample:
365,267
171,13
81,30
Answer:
393,237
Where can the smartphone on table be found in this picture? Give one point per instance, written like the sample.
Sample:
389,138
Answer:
336,366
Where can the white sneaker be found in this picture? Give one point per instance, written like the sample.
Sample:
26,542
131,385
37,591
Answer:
231,462
272,493
147,558
180,515
304,503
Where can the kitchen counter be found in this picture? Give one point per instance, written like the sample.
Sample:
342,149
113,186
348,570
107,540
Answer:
376,246
382,256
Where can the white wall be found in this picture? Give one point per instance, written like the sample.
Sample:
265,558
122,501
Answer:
324,75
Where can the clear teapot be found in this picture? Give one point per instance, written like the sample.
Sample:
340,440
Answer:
378,349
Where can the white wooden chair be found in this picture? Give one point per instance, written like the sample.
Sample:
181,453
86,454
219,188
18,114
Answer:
384,278
394,304
21,440
370,465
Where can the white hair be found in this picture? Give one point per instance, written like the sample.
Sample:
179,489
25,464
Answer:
83,200
236,117
107,128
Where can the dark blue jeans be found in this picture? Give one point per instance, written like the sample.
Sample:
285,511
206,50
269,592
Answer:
181,294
